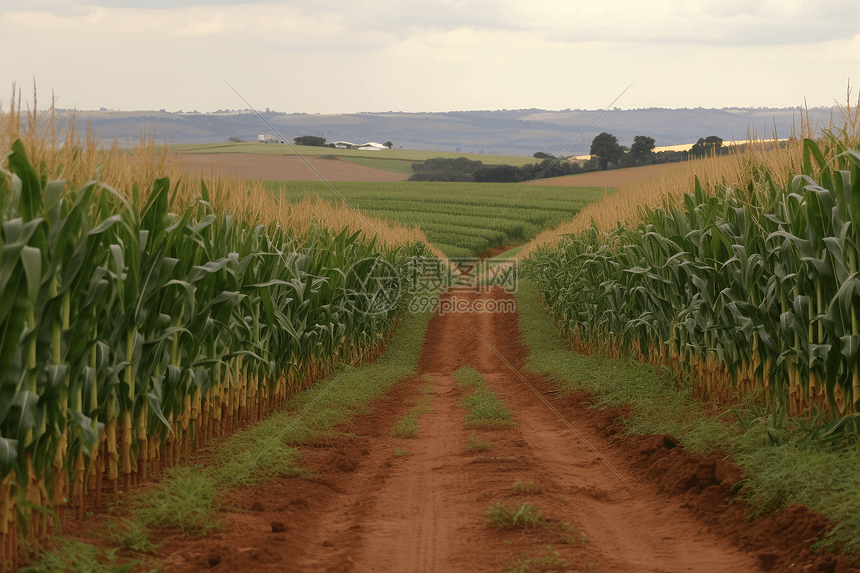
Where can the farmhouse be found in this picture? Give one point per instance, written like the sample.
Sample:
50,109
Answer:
265,138
369,146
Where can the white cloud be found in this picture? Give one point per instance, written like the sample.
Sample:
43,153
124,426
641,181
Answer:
440,55
203,27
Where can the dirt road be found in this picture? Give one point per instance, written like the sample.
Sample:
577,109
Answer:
374,510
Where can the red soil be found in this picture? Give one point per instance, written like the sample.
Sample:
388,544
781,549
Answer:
292,168
278,167
370,510
614,177
490,253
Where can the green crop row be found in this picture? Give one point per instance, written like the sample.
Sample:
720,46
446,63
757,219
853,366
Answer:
455,214
486,194
752,289
495,238
454,251
129,332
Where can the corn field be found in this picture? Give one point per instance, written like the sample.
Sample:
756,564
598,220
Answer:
136,324
751,289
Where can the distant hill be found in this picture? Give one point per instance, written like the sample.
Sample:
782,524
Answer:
503,132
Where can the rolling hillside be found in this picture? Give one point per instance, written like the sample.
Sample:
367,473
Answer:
500,132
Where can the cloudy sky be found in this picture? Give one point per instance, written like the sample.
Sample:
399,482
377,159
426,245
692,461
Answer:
429,55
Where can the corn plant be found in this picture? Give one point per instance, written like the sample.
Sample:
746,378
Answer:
749,290
130,333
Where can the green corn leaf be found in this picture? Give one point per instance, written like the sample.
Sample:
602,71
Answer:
819,204
155,406
155,213
17,235
8,455
812,151
855,191
54,382
22,414
31,259
83,425
30,201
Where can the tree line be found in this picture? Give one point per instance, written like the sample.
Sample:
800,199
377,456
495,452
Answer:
606,153
463,169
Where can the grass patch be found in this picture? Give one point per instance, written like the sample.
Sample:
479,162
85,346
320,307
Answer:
525,516
468,378
401,452
476,444
780,468
406,426
550,561
580,539
72,556
423,406
262,452
525,487
485,408
184,500
131,534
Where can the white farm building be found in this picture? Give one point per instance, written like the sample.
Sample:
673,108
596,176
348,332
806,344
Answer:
369,146
269,139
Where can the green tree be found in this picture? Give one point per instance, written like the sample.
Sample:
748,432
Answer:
607,150
642,146
310,140
711,145
388,144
